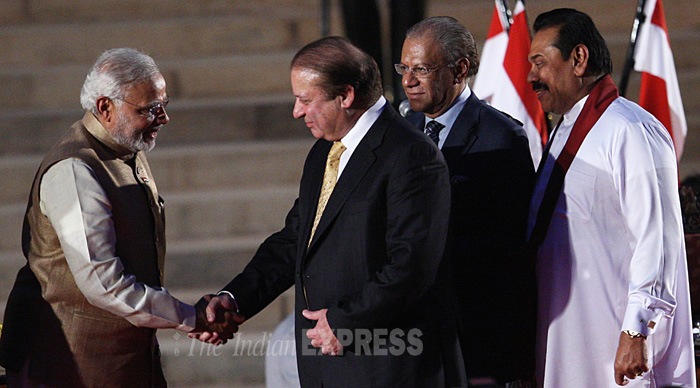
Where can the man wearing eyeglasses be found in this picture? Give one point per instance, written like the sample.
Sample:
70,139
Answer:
84,310
492,175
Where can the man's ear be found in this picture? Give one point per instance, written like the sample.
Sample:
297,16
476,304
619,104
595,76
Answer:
462,69
105,109
579,58
347,97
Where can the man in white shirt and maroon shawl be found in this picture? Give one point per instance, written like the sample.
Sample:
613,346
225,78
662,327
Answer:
605,219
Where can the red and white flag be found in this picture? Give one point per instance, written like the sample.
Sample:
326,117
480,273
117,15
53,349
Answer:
502,76
659,92
491,73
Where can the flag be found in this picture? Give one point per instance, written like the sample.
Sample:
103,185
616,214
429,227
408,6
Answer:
491,72
502,77
659,92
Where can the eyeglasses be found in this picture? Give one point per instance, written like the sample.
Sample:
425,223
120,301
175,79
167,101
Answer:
150,112
418,71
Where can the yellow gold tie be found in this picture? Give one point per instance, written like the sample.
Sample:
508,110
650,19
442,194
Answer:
330,177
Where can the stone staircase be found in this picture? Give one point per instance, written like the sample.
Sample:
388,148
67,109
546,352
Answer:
229,162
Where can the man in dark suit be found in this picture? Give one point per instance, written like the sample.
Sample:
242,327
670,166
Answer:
491,174
371,308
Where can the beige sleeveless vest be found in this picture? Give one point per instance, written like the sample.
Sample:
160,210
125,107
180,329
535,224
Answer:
75,343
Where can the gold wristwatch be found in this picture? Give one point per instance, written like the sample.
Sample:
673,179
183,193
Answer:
633,334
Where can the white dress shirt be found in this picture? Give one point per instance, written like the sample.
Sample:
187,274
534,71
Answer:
353,138
448,118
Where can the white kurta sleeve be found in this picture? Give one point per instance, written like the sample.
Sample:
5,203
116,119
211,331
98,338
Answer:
81,214
646,174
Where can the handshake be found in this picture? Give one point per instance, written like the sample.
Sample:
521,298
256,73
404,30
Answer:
217,319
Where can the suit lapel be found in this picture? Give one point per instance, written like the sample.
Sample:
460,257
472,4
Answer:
463,133
360,162
312,180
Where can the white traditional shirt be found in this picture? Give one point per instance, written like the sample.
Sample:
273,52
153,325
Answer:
614,256
80,212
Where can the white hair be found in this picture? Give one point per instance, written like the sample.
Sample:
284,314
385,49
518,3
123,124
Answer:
113,73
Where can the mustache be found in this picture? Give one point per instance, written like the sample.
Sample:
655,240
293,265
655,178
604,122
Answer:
536,86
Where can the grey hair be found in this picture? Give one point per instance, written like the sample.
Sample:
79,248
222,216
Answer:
454,39
114,72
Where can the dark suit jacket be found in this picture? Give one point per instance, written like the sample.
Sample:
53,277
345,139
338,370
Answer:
373,263
492,176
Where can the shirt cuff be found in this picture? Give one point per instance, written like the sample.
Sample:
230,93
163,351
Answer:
235,302
637,318
188,324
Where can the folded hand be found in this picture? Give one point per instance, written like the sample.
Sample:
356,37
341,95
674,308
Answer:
322,335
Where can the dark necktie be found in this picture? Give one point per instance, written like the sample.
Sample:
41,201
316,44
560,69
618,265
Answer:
433,130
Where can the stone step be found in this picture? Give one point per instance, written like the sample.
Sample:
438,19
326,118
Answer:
255,74
227,68
227,119
205,266
58,87
186,277
252,164
221,214
194,37
215,260
188,362
200,215
605,13
244,164
240,362
19,12
221,202
185,37
202,121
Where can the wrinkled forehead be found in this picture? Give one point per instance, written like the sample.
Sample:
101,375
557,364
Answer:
151,90
306,81
422,49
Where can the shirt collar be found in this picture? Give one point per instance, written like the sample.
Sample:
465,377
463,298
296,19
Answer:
361,127
93,125
353,138
573,113
448,118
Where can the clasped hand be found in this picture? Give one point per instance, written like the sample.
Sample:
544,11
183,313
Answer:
322,336
217,320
